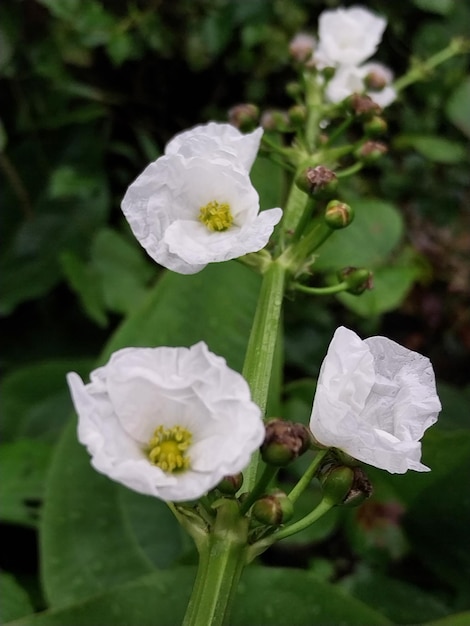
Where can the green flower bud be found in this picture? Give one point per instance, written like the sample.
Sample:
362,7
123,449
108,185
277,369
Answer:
284,442
370,151
294,90
338,214
244,116
318,180
229,485
275,120
337,483
297,114
358,279
375,127
273,509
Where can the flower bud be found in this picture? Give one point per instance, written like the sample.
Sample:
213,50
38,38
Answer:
275,120
301,47
273,509
244,116
358,278
363,105
294,90
375,126
314,180
297,114
338,214
376,80
284,442
370,151
345,485
229,485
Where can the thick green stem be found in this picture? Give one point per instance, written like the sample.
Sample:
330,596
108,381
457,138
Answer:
261,347
221,562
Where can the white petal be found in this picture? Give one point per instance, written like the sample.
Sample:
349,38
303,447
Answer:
374,400
206,139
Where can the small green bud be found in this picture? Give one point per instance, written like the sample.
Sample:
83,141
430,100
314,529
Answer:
273,509
284,442
358,278
294,90
297,114
328,73
375,127
338,214
244,116
337,483
275,120
229,485
317,180
370,151
361,488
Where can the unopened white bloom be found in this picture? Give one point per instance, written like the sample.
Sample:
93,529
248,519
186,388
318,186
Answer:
348,36
167,422
350,79
196,204
374,400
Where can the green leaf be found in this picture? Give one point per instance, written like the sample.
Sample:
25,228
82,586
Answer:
15,600
433,148
390,286
91,538
266,597
401,602
457,619
35,402
86,542
376,230
23,466
458,106
442,7
268,179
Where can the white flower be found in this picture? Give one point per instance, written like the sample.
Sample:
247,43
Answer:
196,204
350,79
374,400
348,36
167,422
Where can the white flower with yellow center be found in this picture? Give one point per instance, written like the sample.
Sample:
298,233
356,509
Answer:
374,400
196,204
167,422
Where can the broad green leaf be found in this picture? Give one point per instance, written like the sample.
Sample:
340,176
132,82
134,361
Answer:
458,106
443,7
23,466
457,619
35,402
390,286
268,178
434,148
266,597
84,280
15,600
90,537
376,230
86,542
401,602
455,402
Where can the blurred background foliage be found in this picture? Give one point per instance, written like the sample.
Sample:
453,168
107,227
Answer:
91,92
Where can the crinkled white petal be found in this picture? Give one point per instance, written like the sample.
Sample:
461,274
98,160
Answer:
206,140
374,400
348,36
163,206
350,79
142,388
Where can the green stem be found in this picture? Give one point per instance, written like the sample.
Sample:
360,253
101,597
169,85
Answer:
261,347
420,70
304,482
221,562
260,488
325,505
349,171
321,291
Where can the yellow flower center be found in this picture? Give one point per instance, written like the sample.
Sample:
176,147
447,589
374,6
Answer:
167,448
216,215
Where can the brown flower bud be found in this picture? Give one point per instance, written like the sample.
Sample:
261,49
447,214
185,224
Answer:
316,179
284,442
370,151
301,47
275,120
363,105
244,116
